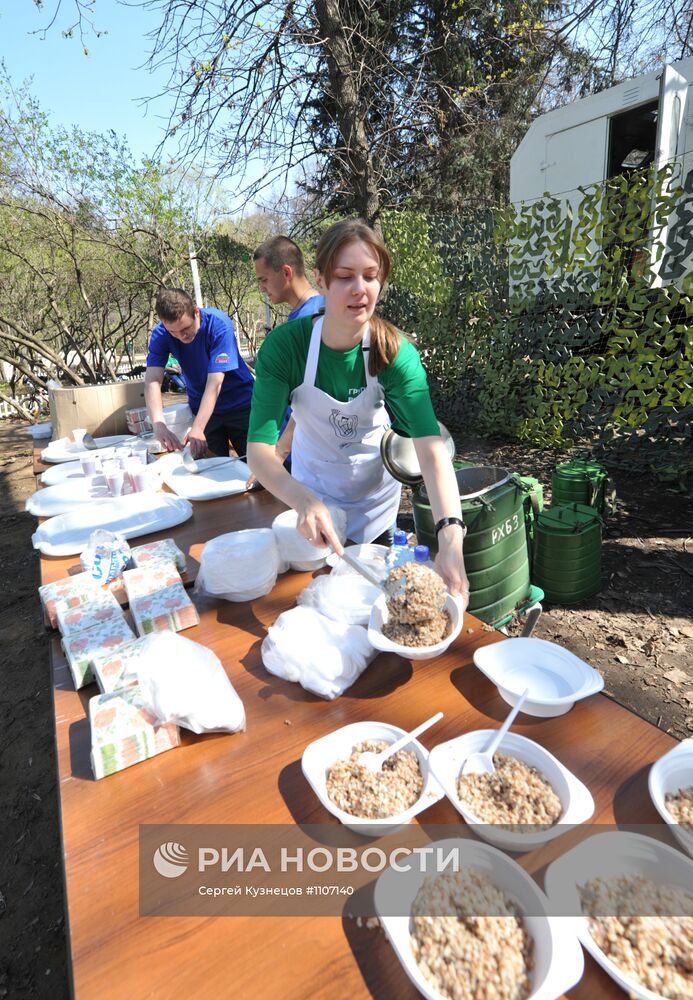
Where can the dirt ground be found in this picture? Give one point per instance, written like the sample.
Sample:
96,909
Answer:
638,631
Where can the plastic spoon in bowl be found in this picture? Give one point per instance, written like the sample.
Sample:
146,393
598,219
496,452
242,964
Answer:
482,762
374,761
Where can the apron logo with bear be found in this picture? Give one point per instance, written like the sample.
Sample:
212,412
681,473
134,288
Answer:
343,425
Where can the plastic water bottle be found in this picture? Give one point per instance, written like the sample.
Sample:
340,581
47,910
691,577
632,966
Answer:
422,556
400,552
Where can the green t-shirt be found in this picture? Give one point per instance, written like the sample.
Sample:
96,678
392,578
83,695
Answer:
281,364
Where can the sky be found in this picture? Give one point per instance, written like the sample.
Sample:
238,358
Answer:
97,92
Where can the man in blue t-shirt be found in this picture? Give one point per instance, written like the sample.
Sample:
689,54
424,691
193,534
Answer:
220,384
281,274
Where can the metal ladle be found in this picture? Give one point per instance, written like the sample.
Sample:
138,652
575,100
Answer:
89,443
194,469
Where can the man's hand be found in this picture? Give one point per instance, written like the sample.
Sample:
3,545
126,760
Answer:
197,442
167,438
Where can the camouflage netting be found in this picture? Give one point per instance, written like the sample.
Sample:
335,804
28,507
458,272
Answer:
565,321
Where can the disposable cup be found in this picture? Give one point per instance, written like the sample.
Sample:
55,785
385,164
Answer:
115,479
131,467
141,479
78,434
88,463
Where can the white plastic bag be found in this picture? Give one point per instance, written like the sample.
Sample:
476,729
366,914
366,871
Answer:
106,555
322,655
296,550
184,682
343,598
239,566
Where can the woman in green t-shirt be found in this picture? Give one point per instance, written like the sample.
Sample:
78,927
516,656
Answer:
338,402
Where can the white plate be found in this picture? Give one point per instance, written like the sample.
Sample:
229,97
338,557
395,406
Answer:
69,495
66,450
609,855
321,754
132,516
558,958
61,472
671,773
446,761
379,616
224,478
556,678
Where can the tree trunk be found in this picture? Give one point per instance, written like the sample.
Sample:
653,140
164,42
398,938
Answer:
351,119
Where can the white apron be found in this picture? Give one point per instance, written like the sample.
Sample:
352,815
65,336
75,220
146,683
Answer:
336,449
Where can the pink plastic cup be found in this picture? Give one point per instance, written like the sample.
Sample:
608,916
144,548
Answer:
141,479
115,479
88,463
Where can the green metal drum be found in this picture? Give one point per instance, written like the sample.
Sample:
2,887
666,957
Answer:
581,481
568,553
495,547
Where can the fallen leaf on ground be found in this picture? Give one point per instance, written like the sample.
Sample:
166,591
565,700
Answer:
676,676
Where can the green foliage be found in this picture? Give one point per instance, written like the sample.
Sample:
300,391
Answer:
562,321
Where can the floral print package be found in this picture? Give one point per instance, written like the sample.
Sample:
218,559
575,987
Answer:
67,593
82,647
164,550
102,608
169,609
117,668
124,732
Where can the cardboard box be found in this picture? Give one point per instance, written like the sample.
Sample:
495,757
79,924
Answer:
98,408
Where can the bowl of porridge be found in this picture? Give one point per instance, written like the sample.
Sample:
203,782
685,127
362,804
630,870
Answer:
417,618
490,915
629,899
671,790
367,803
527,801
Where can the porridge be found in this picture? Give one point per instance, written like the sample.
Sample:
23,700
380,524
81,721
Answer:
361,792
515,794
415,609
478,947
644,940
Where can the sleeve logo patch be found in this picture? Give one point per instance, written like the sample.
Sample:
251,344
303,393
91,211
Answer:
221,359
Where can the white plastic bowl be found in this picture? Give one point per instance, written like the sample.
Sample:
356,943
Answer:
558,958
609,855
556,678
379,616
373,556
321,754
446,761
297,551
671,773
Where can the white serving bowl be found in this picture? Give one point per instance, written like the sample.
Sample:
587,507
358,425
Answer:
609,855
379,616
297,551
671,773
558,958
373,556
446,761
556,678
321,754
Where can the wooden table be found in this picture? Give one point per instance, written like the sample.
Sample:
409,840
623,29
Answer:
255,777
